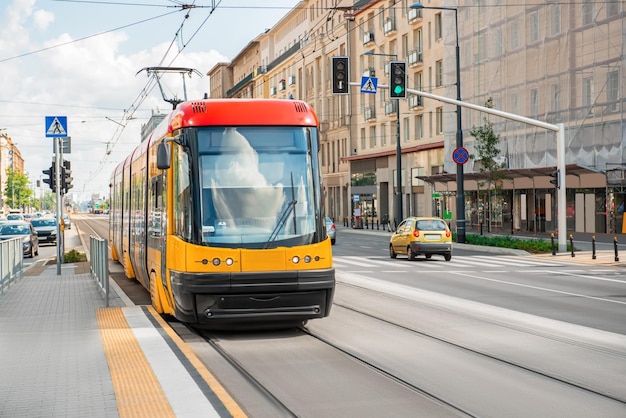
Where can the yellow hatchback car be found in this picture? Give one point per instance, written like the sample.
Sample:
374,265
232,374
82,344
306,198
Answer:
421,235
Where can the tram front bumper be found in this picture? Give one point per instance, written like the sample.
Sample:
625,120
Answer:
252,298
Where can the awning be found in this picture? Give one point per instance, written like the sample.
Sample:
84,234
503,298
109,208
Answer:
511,174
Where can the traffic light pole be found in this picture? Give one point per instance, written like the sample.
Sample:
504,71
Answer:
559,129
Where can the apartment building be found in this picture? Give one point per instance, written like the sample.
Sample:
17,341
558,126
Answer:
10,158
554,62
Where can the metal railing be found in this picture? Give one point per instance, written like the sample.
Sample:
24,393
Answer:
99,263
11,262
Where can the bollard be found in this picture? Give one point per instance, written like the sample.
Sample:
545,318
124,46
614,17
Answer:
377,225
552,240
571,243
593,247
481,228
615,246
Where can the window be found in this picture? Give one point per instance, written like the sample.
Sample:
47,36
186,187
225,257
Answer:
372,137
363,138
439,117
587,92
514,29
556,97
419,127
182,193
515,103
251,180
383,135
534,102
533,23
587,12
497,41
555,19
438,27
405,129
439,73
612,88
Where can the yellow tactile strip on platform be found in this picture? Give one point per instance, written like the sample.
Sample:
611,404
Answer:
137,390
230,404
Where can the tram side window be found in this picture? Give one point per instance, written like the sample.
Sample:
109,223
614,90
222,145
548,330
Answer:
182,194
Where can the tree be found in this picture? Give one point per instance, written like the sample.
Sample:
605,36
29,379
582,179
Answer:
16,189
487,151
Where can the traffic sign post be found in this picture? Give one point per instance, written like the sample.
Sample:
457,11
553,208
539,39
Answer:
56,128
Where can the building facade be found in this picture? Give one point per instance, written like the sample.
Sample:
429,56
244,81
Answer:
558,63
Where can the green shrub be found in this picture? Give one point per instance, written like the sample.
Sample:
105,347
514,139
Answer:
535,246
74,256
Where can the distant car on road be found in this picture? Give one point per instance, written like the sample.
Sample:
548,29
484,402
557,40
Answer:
331,230
23,230
421,235
15,217
67,221
46,229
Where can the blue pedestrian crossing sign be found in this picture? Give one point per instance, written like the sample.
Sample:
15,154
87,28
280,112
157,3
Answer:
369,84
56,126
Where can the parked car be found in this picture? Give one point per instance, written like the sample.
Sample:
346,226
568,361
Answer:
46,229
421,235
15,217
331,230
23,230
67,221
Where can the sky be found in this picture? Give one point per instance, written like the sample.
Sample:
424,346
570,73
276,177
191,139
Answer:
83,59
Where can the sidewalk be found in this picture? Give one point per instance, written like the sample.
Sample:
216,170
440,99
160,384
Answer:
63,354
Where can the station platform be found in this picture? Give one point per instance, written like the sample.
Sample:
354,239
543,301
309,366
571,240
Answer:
63,353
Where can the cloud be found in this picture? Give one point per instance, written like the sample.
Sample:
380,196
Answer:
42,19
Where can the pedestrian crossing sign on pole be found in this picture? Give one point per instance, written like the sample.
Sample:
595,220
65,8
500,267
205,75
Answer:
56,126
369,84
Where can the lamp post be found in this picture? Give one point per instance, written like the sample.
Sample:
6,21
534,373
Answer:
460,193
398,148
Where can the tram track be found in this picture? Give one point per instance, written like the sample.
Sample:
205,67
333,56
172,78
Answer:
361,343
281,408
484,354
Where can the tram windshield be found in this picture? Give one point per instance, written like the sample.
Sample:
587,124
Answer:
256,186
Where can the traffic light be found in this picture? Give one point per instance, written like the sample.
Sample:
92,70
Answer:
51,180
555,178
397,80
340,75
66,176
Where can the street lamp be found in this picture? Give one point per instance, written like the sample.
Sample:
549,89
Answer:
398,147
460,193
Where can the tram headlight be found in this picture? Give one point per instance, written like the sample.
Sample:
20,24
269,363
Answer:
295,259
216,261
230,261
307,259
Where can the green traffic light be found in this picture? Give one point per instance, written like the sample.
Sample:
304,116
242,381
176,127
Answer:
398,90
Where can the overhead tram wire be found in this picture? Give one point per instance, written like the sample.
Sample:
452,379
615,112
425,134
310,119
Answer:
150,85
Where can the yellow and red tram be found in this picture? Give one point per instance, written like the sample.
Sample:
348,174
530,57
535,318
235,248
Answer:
219,214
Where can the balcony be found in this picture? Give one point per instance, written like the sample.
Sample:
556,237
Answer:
368,37
389,26
416,58
369,113
390,107
414,15
291,80
416,102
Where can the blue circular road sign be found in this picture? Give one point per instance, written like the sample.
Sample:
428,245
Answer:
460,155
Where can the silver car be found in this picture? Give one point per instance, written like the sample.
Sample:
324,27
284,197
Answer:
23,230
331,230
